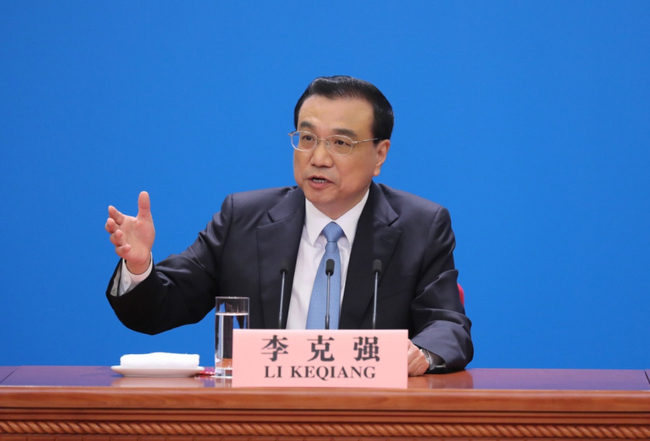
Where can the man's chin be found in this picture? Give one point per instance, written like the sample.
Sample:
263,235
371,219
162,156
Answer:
324,204
320,201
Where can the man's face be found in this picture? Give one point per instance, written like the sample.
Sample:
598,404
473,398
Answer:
336,183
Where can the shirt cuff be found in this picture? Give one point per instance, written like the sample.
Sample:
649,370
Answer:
127,281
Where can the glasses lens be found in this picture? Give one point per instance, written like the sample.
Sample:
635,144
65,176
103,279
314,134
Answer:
340,144
303,140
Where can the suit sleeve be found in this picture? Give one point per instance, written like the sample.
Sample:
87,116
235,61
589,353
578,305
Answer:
438,314
181,289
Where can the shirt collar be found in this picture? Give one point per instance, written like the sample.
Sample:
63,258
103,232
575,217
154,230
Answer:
315,220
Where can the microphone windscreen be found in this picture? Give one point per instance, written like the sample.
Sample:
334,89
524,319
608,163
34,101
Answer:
376,266
329,267
284,266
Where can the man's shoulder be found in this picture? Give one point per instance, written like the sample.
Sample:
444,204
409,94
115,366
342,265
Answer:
263,200
264,194
401,201
414,215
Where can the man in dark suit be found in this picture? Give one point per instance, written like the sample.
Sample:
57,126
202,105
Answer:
343,128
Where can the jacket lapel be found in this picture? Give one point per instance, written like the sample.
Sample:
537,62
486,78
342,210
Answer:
375,239
278,241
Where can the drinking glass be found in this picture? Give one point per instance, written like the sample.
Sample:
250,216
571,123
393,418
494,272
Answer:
231,313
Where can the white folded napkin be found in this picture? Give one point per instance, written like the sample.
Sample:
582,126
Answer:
160,360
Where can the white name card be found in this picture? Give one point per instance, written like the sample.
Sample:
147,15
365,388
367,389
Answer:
319,358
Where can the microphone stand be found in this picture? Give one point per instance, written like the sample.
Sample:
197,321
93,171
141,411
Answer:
376,268
283,272
329,270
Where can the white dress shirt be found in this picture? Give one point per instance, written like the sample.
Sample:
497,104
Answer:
310,253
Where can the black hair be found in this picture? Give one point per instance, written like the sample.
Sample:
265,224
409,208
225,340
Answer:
340,86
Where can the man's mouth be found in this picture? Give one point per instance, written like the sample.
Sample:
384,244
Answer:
318,180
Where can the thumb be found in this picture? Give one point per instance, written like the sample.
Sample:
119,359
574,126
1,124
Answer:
144,206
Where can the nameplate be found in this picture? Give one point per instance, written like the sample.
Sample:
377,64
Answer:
319,358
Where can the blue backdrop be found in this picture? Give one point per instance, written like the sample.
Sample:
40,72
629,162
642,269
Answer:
529,120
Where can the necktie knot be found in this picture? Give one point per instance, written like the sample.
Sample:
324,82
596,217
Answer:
332,232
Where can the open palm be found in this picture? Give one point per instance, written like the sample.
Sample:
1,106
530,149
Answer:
133,237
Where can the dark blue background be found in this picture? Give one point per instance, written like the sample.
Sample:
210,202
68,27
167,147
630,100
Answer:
529,120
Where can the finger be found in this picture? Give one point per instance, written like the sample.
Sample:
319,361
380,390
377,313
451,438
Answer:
144,206
413,368
416,357
117,238
115,214
418,367
111,226
413,352
417,370
123,251
417,362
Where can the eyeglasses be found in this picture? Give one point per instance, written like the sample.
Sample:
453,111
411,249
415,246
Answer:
337,144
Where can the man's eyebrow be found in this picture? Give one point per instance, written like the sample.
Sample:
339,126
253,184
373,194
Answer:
347,132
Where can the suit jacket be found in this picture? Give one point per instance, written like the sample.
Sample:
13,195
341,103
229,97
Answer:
241,250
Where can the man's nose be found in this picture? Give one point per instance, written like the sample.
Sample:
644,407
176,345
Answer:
321,155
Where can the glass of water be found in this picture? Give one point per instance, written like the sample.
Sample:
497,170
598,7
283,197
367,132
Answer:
231,313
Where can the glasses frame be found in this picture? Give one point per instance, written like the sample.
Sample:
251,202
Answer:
327,143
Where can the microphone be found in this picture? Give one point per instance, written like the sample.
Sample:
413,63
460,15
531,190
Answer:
329,267
329,270
283,271
376,268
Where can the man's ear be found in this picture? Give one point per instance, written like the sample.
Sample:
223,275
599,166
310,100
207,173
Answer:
381,153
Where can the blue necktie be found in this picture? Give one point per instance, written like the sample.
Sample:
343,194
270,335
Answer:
317,304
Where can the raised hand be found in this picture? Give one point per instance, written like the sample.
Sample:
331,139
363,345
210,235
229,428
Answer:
133,236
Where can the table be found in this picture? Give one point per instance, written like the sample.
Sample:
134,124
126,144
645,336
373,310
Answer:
94,403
